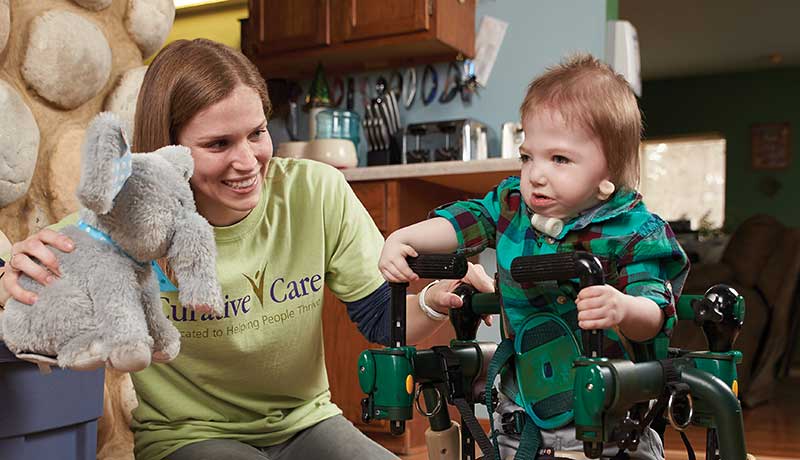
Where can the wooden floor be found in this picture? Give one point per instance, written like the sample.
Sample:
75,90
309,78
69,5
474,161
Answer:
772,430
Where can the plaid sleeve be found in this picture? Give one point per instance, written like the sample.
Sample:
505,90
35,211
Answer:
653,265
475,221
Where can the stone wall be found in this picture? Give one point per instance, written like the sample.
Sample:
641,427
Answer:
62,62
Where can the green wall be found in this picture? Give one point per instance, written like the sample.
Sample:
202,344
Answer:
612,10
729,105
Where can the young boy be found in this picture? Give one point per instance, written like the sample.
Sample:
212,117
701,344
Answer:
576,192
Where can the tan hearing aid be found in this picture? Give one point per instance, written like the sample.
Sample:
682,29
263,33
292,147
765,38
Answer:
606,189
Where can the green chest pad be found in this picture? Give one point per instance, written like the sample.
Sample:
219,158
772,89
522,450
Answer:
545,349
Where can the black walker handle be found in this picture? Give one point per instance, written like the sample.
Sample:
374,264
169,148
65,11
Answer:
561,267
441,266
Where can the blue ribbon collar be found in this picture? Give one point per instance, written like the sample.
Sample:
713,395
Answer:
99,235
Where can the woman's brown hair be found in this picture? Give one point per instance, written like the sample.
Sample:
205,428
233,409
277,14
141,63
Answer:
184,78
587,92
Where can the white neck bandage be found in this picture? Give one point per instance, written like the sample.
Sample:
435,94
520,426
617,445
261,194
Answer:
550,226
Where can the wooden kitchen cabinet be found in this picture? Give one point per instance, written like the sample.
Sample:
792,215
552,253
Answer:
288,39
365,19
392,204
304,24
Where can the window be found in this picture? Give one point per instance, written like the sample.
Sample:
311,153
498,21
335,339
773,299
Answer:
684,179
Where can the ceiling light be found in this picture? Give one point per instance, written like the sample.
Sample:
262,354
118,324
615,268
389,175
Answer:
775,58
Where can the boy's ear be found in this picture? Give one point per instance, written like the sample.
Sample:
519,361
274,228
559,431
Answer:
105,163
179,157
605,190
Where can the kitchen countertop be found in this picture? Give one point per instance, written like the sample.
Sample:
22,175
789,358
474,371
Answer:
475,176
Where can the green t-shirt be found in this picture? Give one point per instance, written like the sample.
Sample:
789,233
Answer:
258,374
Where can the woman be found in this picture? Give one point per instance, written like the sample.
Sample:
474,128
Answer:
252,384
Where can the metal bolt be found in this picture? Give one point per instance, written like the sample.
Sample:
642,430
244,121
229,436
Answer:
362,369
589,387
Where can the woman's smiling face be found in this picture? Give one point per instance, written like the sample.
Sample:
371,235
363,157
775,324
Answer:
231,149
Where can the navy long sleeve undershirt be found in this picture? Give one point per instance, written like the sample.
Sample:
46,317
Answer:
372,315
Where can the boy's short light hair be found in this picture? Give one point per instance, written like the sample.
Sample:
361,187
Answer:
588,92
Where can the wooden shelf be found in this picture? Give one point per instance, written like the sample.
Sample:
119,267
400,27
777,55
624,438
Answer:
476,176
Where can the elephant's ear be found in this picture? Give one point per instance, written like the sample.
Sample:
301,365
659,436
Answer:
179,157
105,163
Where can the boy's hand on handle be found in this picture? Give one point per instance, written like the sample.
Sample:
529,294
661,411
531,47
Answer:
600,307
393,265
440,296
33,257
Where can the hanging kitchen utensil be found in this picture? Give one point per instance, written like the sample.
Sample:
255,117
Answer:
469,81
452,83
429,74
337,92
381,86
293,115
396,84
350,93
363,90
409,92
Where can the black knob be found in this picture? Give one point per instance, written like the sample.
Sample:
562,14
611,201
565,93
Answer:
465,321
721,315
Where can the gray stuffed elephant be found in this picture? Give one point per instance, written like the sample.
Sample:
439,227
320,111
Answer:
105,308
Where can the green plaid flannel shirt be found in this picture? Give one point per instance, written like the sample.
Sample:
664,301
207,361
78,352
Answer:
638,250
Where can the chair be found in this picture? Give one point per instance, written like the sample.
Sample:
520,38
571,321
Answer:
762,262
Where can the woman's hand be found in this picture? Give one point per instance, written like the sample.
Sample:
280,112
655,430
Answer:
34,258
440,296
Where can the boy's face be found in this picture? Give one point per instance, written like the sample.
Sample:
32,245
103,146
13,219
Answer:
562,166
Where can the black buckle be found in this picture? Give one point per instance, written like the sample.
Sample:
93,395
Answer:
495,401
546,453
513,422
452,373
